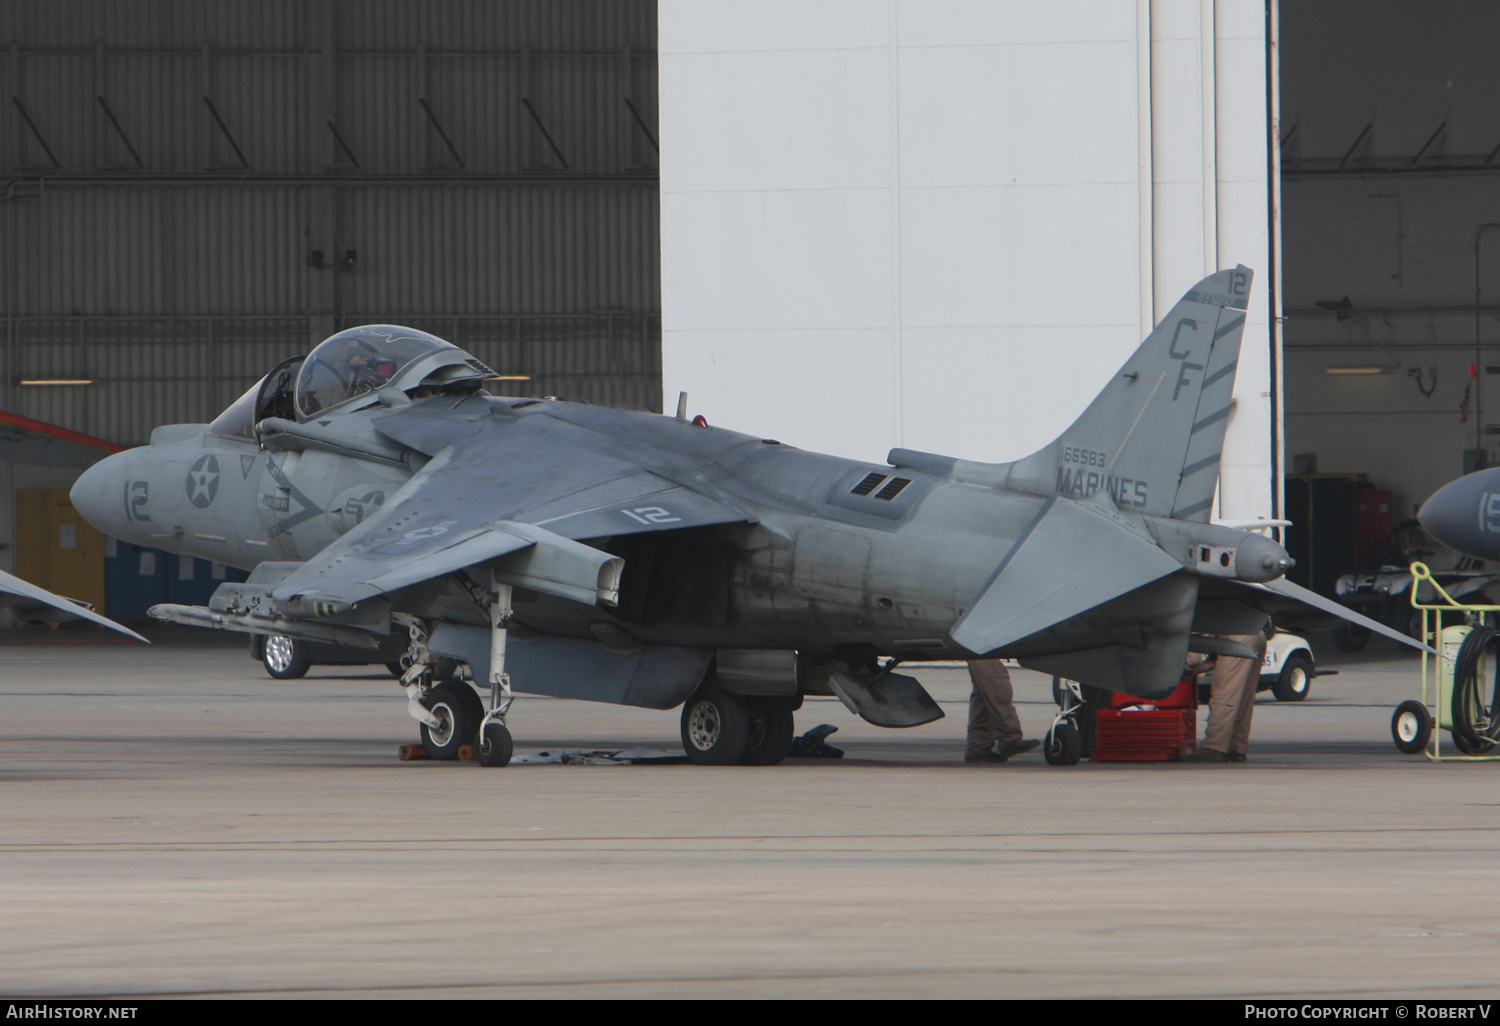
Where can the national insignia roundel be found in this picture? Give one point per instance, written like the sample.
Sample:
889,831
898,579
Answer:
203,481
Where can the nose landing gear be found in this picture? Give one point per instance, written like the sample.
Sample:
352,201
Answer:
1063,745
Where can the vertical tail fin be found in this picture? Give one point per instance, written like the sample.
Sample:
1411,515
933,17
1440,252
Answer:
1153,437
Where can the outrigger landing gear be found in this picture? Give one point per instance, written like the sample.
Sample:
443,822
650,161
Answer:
494,745
1064,743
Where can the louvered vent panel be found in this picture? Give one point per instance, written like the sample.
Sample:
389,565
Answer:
893,489
868,485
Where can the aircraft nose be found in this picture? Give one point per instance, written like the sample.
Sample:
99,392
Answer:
98,494
1465,514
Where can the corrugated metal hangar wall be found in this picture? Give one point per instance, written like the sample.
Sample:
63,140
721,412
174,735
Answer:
196,189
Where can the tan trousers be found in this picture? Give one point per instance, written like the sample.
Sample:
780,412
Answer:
992,710
1232,698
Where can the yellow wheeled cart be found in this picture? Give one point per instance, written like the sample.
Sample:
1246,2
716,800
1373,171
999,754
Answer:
1453,683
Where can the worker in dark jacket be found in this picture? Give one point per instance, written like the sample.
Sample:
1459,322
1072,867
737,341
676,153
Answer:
995,734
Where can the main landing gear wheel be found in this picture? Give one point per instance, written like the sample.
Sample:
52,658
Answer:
715,727
1063,746
1411,726
283,658
494,747
459,711
768,739
1295,680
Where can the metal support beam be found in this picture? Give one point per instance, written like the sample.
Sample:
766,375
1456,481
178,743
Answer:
36,132
545,134
342,145
432,118
104,106
1355,145
1428,144
638,120
225,129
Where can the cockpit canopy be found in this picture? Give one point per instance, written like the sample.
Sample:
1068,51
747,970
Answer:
359,360
355,362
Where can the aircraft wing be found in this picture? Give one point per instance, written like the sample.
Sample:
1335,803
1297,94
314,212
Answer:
1074,556
17,593
512,493
23,440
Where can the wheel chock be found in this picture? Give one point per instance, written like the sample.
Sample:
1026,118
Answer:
412,753
465,753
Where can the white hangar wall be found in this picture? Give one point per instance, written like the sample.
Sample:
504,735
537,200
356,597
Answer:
945,225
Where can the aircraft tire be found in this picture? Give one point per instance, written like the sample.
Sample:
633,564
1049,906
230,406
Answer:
1295,682
715,727
475,704
771,729
494,747
284,658
395,669
1350,637
460,711
1411,726
1063,746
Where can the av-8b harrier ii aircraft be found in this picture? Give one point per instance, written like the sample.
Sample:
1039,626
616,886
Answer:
564,549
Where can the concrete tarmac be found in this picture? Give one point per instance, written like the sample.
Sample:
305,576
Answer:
174,822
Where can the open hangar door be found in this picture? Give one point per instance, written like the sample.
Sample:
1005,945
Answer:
1390,152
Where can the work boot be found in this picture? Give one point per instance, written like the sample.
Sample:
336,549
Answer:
1238,756
1020,746
988,756
1207,755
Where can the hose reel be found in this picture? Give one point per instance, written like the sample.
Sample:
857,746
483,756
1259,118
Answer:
1475,719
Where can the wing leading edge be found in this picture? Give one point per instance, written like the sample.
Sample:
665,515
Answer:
515,495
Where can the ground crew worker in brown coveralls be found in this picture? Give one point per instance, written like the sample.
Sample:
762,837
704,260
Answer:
1232,703
995,733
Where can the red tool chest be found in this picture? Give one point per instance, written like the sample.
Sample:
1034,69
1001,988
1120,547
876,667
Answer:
1147,730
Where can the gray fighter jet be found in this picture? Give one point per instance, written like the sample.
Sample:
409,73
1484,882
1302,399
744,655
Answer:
564,549
1465,514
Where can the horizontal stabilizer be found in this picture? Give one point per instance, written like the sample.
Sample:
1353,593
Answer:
15,591
1074,557
1285,589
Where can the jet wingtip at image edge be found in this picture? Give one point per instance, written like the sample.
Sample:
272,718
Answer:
20,588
